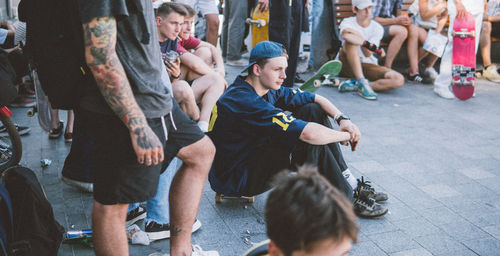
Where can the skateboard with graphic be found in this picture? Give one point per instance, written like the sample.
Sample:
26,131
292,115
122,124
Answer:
326,74
219,197
463,67
259,24
42,104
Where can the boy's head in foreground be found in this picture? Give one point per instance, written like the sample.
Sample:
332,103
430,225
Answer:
306,215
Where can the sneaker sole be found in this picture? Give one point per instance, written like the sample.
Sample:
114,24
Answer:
367,97
82,186
166,234
373,216
136,219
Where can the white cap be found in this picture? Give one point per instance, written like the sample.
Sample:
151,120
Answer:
362,4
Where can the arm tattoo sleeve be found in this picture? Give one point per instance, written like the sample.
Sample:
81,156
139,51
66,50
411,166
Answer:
100,40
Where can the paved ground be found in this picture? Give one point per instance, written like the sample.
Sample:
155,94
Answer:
438,159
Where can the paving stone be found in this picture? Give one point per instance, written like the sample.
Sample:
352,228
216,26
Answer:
493,230
413,252
382,225
368,166
440,244
439,190
484,247
396,241
416,227
441,215
476,173
366,249
463,231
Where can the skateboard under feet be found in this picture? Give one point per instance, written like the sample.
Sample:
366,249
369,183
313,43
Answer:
248,199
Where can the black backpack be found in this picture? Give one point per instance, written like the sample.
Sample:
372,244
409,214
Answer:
35,230
54,43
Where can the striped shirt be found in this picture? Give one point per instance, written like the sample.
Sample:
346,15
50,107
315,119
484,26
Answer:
385,8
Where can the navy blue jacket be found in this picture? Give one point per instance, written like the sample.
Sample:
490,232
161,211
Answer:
242,120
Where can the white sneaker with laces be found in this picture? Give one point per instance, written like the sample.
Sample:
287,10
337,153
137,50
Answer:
491,74
197,251
444,93
431,73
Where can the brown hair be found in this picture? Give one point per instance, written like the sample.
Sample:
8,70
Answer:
166,8
190,12
263,62
304,208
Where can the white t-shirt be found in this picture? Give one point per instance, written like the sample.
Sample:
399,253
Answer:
373,34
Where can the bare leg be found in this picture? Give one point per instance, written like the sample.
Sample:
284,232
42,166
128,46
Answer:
71,120
207,90
391,80
205,54
185,97
212,28
398,34
485,43
185,193
412,48
54,117
352,54
108,226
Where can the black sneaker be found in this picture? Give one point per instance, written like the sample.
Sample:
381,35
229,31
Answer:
298,80
22,130
157,231
366,207
136,215
417,78
365,189
57,132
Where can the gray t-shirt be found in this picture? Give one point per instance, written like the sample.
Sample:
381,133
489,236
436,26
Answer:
141,61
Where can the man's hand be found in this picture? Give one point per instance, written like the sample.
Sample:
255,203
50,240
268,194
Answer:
403,20
352,129
461,11
263,5
174,68
147,146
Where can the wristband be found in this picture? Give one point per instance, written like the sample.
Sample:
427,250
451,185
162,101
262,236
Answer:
176,77
372,47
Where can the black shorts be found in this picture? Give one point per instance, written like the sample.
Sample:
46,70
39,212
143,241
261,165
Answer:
495,29
118,178
386,38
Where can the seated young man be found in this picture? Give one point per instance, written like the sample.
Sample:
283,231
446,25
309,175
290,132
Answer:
290,207
397,29
205,89
254,137
361,37
490,27
198,58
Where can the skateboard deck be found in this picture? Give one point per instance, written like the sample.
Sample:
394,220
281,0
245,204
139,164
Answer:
42,104
326,74
219,197
464,57
259,23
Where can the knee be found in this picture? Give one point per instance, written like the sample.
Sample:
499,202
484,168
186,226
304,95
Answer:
212,22
183,91
217,81
397,79
486,28
400,32
204,53
201,153
311,112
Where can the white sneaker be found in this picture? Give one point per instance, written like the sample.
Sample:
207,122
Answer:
237,63
444,92
491,74
197,251
431,73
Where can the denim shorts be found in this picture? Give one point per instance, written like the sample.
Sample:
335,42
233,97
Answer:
118,177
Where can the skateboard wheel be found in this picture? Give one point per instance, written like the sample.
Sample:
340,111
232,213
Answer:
251,199
218,198
473,33
335,81
30,112
317,83
453,33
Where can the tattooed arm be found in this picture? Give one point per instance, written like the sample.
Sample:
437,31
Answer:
101,57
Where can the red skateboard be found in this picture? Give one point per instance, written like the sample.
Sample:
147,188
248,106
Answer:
464,57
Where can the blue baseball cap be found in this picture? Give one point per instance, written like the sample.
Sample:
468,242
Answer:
264,50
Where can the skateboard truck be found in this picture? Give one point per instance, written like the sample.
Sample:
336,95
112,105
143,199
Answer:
463,33
259,23
219,197
326,80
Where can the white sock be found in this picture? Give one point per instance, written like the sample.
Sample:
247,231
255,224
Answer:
350,178
203,126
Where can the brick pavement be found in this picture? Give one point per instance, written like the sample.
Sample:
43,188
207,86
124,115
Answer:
439,161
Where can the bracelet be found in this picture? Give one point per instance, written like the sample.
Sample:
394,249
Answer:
176,77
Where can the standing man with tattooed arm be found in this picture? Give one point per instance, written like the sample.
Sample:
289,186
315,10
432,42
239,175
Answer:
138,127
